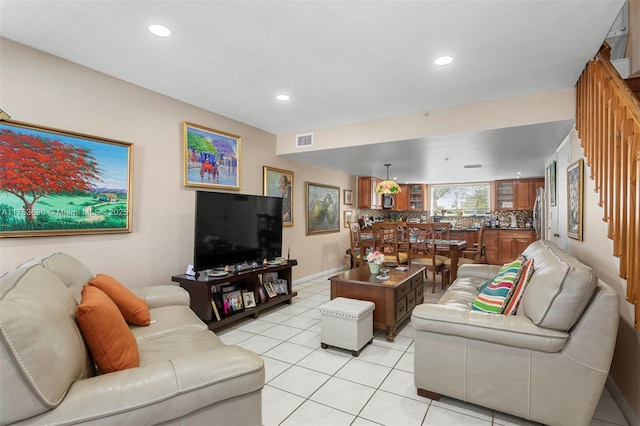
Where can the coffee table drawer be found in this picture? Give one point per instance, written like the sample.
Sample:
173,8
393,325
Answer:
401,308
402,290
417,281
411,300
419,295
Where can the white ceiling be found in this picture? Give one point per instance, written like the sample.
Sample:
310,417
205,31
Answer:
340,61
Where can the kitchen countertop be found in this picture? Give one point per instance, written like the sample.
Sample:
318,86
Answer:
492,229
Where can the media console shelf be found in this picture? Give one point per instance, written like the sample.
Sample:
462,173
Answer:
201,288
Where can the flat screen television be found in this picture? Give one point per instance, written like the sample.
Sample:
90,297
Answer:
235,228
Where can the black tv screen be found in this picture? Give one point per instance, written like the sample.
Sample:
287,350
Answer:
235,228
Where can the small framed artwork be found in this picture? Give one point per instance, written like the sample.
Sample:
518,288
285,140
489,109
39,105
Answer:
249,299
322,208
262,294
551,178
280,286
575,199
348,197
54,182
268,277
212,159
348,217
271,292
279,183
232,302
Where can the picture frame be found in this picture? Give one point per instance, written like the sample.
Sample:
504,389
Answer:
271,292
212,158
269,277
262,294
575,179
347,197
551,178
92,192
279,183
280,286
322,208
249,299
348,217
232,302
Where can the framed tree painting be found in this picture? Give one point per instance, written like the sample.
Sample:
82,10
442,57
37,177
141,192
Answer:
212,159
279,183
62,183
348,217
575,199
323,207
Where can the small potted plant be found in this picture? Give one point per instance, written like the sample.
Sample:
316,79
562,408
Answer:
374,260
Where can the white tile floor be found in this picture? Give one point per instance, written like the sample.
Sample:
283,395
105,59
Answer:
307,385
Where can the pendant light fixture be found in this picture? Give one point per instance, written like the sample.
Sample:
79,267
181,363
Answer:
388,187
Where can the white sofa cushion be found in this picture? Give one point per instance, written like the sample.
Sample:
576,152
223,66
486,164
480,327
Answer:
560,288
45,349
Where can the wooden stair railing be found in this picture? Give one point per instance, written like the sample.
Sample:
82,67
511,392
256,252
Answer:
608,125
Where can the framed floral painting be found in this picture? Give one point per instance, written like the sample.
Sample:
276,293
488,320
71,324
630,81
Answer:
575,199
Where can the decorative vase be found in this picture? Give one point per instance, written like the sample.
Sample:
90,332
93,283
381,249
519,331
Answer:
374,268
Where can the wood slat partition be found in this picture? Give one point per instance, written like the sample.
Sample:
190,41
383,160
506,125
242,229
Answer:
608,124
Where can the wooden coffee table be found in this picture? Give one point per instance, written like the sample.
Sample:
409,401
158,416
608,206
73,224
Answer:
394,299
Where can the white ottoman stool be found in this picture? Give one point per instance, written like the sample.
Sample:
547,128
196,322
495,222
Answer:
347,324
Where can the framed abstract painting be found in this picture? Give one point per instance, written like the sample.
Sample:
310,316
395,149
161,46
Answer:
575,199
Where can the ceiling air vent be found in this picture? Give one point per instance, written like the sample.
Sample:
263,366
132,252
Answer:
304,140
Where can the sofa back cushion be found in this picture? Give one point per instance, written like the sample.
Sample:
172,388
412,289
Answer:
43,351
560,288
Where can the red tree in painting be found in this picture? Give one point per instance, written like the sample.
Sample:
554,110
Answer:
31,167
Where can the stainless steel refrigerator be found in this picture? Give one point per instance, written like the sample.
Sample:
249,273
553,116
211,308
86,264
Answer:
540,214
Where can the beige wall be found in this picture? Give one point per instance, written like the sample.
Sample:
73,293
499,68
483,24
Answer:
595,250
42,89
519,111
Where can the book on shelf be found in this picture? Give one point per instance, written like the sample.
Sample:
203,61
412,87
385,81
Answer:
215,310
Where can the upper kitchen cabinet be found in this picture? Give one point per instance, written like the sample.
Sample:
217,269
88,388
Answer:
517,194
417,196
368,198
401,200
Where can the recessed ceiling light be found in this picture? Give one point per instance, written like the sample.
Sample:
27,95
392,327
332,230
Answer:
283,97
159,30
443,60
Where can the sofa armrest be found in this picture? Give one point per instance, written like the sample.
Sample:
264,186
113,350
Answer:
510,330
162,295
156,393
481,271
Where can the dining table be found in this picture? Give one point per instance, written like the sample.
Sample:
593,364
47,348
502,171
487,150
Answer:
450,248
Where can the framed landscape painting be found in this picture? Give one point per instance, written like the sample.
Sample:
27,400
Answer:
212,159
323,207
574,199
279,183
54,182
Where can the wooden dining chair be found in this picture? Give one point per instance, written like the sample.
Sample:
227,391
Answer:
422,250
387,238
356,244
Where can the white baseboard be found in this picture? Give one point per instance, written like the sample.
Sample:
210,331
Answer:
319,275
626,409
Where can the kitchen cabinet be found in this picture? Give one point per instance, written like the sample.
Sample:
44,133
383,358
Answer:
519,194
504,245
491,246
368,198
401,200
417,197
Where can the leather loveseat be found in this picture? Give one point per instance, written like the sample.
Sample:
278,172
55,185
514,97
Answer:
546,363
186,374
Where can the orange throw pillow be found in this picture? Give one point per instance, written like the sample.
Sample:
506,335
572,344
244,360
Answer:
108,336
134,309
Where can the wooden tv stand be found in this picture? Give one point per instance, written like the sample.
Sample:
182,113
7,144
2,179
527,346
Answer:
200,290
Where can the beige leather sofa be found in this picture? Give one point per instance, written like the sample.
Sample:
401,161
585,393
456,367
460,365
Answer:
547,363
187,375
